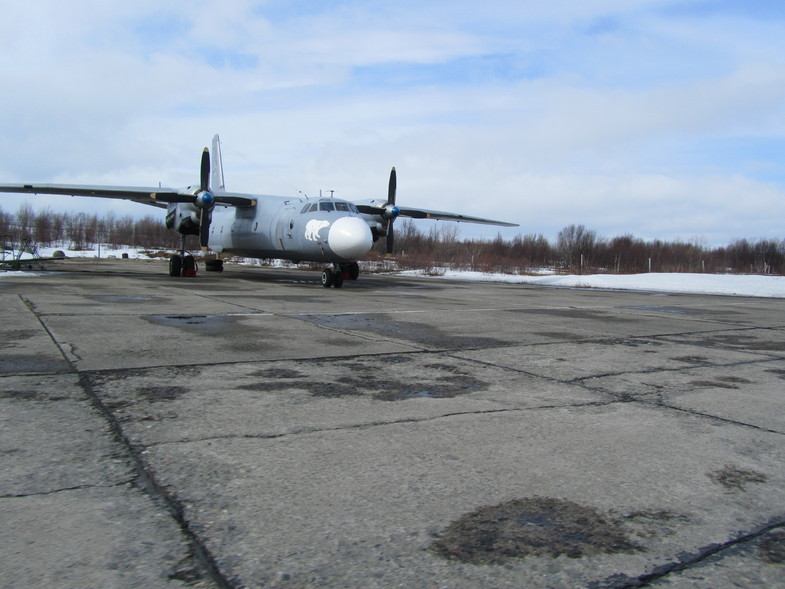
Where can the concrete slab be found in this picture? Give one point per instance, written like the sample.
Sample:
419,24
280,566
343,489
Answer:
396,432
72,510
25,346
362,507
272,399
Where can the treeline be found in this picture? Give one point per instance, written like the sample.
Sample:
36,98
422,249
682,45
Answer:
576,249
83,230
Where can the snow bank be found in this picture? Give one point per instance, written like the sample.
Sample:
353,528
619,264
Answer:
717,284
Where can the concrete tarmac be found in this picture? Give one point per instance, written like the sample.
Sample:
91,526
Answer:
253,429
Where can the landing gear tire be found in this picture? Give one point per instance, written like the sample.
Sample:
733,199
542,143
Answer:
337,279
175,266
327,277
354,270
189,266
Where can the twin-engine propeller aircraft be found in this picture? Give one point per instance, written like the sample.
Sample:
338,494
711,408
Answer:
330,230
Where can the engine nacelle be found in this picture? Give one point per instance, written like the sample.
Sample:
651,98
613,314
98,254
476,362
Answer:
183,217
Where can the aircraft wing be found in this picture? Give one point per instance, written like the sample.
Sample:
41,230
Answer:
443,216
372,209
155,196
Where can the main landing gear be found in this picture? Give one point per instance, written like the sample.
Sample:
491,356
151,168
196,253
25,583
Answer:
185,265
182,265
335,276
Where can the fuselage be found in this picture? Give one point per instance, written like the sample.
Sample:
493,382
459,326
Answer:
319,230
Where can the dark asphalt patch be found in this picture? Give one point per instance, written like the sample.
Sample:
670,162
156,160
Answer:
663,309
560,335
745,342
575,314
699,360
771,548
387,326
530,527
32,395
12,338
721,382
197,324
736,479
32,365
278,373
162,393
778,372
443,381
122,298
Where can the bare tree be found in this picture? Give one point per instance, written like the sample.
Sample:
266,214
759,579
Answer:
575,241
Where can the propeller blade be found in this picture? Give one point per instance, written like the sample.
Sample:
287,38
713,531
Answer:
390,236
391,189
204,176
207,211
204,227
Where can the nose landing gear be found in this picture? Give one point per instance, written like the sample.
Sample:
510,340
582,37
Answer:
335,276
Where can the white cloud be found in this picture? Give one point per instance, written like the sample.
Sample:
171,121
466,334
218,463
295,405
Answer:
627,117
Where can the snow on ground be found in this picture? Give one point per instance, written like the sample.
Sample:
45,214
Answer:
716,284
719,284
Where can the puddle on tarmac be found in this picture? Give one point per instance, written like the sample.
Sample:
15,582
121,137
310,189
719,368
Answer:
530,527
202,324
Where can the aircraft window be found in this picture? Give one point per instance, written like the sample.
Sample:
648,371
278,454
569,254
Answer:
342,206
326,206
309,208
305,209
353,208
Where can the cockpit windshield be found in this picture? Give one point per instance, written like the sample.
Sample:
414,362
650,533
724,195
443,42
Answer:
329,206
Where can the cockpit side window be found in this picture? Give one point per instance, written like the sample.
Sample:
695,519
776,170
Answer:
309,208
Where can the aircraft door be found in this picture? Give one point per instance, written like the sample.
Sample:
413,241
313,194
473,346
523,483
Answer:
284,229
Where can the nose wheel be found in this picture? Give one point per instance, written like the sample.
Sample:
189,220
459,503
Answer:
331,277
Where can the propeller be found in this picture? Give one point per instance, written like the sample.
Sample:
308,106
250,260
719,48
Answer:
391,211
205,200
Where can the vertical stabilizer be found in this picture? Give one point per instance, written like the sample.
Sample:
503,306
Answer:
217,168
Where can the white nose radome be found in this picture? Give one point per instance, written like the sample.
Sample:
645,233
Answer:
350,238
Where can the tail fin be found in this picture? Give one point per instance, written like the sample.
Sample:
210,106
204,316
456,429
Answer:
217,168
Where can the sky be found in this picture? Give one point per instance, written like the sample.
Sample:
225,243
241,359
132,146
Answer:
663,119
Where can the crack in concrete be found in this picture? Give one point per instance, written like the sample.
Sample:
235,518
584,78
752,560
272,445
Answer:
147,482
578,380
372,424
66,489
687,562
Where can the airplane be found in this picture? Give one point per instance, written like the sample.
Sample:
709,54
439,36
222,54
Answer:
331,230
